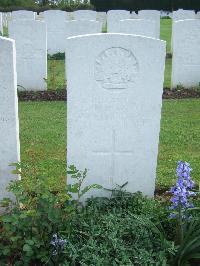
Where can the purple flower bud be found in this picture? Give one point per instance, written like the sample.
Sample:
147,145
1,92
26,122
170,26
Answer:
181,191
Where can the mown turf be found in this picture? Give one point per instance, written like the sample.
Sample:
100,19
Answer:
43,139
56,74
168,70
165,32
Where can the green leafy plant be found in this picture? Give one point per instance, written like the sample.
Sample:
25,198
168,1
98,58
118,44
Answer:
37,213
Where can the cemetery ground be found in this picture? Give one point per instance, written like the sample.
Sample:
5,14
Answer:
43,139
47,227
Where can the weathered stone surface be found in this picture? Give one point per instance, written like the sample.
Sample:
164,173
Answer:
142,27
151,15
113,18
56,39
182,14
31,47
9,124
115,84
23,14
186,53
85,15
134,15
81,27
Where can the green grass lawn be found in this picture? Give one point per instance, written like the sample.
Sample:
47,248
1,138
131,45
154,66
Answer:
56,74
165,32
43,139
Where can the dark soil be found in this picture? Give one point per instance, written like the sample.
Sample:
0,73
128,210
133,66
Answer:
61,95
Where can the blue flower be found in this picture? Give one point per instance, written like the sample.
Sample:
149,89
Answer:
58,244
181,191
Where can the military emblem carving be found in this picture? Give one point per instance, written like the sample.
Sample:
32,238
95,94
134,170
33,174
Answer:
116,68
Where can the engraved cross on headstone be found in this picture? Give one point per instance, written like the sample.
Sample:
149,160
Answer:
113,152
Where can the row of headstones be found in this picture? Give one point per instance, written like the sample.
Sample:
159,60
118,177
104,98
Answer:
115,85
31,45
32,42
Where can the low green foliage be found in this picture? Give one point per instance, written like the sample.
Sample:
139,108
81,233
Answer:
46,226
37,213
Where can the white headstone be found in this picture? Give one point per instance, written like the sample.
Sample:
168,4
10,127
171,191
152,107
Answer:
23,14
182,14
1,24
151,15
142,27
31,47
56,39
134,15
75,28
9,124
85,15
186,53
69,16
40,16
198,15
115,84
113,18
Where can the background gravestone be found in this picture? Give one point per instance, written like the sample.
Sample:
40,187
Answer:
151,15
81,27
23,14
31,47
182,14
85,15
134,15
186,53
9,124
56,39
113,18
115,84
142,27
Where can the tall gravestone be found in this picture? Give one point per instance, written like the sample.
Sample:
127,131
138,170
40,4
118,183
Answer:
23,14
142,27
9,124
69,16
31,47
182,14
85,15
134,15
115,84
74,28
56,39
40,16
198,15
114,17
151,15
186,53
